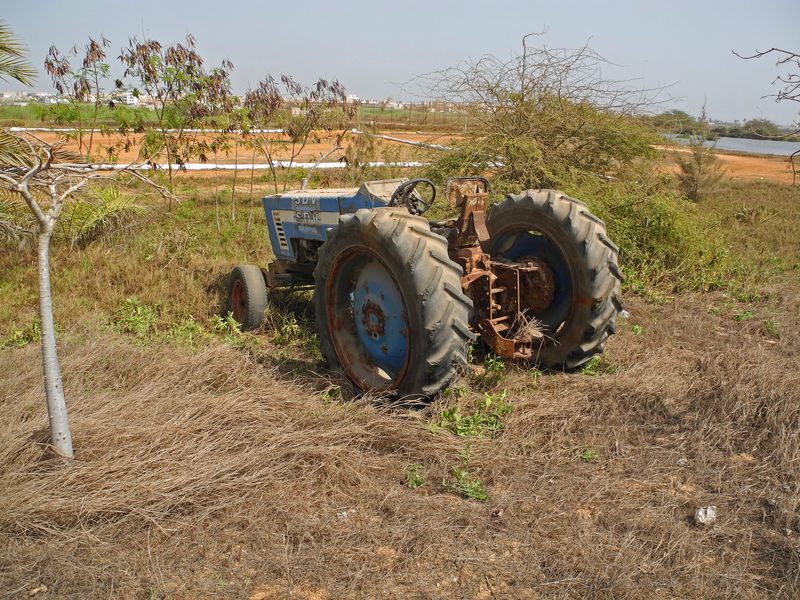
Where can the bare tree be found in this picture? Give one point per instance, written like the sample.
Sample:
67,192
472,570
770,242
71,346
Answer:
300,113
544,115
322,107
789,82
46,176
257,117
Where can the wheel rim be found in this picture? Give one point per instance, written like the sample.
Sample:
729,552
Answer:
238,305
517,242
367,320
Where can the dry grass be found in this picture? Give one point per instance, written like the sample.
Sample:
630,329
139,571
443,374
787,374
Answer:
221,474
231,471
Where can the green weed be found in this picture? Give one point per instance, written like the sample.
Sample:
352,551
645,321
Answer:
455,391
536,377
17,338
753,214
311,346
288,330
638,329
773,327
485,421
133,316
747,295
188,332
332,394
414,479
744,315
466,483
589,454
494,373
599,365
227,325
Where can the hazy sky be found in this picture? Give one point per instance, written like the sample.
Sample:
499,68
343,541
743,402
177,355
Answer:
374,47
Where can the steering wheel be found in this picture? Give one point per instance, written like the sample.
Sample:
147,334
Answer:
407,195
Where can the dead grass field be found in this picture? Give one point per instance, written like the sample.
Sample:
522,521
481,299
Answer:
233,470
220,474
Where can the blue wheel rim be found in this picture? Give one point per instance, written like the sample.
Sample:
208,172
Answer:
517,242
367,320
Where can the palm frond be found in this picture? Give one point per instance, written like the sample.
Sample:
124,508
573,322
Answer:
16,224
17,151
103,214
13,152
13,57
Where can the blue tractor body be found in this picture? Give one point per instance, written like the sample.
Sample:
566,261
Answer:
310,215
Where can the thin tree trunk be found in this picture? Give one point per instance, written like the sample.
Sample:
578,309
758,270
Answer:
60,435
233,187
169,163
216,193
252,174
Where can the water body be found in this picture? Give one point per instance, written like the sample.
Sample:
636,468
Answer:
775,147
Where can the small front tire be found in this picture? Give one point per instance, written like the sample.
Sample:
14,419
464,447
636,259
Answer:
247,296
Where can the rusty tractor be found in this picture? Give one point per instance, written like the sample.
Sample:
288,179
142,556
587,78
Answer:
398,298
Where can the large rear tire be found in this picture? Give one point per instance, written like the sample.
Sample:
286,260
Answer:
389,306
247,296
561,232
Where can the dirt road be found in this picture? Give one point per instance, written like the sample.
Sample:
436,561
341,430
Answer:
744,166
737,165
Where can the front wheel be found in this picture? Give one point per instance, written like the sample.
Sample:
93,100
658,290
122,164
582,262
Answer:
562,233
389,306
247,296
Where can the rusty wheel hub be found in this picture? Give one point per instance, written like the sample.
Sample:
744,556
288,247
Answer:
374,319
537,283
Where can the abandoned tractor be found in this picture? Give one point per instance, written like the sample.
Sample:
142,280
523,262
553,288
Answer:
398,298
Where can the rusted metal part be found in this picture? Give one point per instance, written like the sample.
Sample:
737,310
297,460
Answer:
374,319
282,273
505,293
531,278
537,286
511,348
472,196
474,262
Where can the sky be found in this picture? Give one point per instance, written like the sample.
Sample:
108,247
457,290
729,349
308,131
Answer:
375,48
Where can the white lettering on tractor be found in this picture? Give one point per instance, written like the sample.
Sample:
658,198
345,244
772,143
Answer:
307,216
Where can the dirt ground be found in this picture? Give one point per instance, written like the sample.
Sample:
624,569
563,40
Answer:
314,149
749,166
737,165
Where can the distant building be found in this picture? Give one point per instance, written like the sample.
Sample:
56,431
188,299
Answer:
125,97
44,97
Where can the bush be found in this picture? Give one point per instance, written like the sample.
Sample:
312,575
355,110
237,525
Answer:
542,118
663,238
700,172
